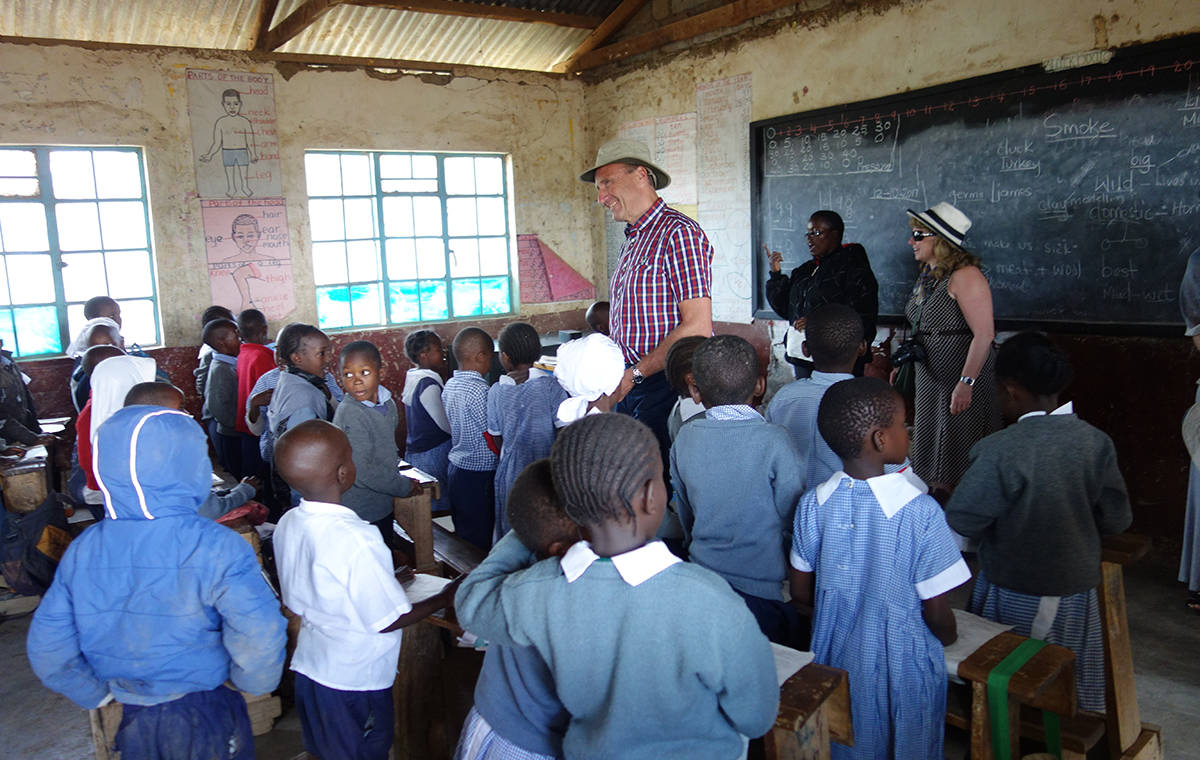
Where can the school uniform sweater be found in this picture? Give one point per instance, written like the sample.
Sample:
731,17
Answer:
652,657
515,695
371,429
220,394
737,483
296,400
1039,495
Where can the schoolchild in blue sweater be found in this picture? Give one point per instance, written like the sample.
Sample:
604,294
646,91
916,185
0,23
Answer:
651,656
520,417
884,560
834,340
471,474
428,430
517,713
737,480
301,393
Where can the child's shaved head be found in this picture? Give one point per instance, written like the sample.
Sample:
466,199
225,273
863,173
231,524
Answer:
851,409
535,513
314,458
834,334
97,354
471,341
155,394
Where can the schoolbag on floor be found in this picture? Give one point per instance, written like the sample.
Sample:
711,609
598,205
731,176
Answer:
32,544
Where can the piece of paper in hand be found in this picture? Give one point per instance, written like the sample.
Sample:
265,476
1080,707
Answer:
788,661
424,586
795,343
973,632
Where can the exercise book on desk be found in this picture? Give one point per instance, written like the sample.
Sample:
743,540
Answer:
973,632
788,661
424,586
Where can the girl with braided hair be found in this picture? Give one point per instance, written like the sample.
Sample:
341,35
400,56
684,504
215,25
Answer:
651,656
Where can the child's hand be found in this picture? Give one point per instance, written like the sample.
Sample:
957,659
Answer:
13,451
451,589
405,574
254,482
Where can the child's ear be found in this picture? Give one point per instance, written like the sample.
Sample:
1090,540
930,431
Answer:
878,438
804,348
864,347
559,546
760,387
693,391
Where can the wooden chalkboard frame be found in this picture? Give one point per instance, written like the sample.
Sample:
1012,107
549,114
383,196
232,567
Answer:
1186,45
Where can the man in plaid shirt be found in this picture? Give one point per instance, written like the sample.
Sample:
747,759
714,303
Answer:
661,290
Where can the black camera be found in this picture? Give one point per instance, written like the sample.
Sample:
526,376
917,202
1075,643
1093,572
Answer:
909,351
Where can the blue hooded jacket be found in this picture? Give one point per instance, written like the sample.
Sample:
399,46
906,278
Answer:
155,602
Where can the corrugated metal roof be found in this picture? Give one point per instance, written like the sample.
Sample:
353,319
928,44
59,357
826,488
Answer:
218,24
362,32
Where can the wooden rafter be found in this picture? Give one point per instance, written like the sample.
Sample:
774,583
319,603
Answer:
607,28
729,15
299,20
266,12
479,10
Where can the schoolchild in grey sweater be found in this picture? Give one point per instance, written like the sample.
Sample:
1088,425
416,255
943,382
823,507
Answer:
652,657
369,418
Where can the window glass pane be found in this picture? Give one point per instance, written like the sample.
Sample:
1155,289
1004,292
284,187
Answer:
401,261
18,188
129,275
37,330
71,174
489,175
397,217
356,175
395,166
123,224
329,263
495,295
460,216
23,227
3,283
75,318
460,175
492,217
464,258
138,324
17,163
30,278
405,306
431,258
333,307
427,213
360,218
409,185
78,226
493,256
433,300
322,174
325,219
466,297
366,304
6,331
424,166
118,174
363,258
83,275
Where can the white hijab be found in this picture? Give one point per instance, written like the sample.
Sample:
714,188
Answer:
111,381
80,344
587,368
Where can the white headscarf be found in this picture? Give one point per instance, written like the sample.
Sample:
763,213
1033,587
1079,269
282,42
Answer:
80,344
587,368
111,381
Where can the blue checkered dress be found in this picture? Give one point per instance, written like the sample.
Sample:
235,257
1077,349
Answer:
867,611
479,741
465,399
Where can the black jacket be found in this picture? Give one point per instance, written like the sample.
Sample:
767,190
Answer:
843,276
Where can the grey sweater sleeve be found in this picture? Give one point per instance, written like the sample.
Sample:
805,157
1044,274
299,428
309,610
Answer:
220,395
976,503
1113,513
375,460
220,504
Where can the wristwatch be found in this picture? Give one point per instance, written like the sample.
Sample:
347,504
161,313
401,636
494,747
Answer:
638,377
967,381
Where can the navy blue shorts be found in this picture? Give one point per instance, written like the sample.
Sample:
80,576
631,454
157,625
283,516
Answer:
204,724
344,725
472,504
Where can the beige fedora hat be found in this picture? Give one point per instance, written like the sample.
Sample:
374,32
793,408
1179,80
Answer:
947,221
632,152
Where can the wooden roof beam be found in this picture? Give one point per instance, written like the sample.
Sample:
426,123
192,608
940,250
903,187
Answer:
728,15
607,28
262,25
479,10
299,20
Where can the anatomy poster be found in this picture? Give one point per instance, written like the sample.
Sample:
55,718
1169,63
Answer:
234,139
249,258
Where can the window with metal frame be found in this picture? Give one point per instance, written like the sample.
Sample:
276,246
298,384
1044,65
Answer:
408,237
74,224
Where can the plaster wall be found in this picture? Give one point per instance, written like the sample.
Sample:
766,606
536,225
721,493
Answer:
62,94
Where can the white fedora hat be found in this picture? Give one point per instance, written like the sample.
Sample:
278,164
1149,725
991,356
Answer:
632,152
947,221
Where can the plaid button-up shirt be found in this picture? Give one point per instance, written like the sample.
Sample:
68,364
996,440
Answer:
666,259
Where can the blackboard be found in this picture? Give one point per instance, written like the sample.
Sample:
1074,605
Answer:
1083,184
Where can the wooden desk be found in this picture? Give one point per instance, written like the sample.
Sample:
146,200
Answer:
414,513
814,708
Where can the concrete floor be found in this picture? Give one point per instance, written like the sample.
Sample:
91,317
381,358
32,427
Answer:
37,723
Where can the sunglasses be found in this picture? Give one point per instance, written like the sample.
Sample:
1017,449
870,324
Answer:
919,235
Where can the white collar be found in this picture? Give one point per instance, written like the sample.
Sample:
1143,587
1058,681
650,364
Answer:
384,396
1067,408
892,490
325,507
635,566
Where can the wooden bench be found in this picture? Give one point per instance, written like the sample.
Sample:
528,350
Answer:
814,709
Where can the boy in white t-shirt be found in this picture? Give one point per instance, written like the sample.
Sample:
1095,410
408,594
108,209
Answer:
336,573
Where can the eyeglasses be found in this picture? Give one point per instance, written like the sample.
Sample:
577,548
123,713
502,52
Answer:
919,235
815,233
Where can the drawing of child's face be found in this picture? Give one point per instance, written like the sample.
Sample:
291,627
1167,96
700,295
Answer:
232,104
245,237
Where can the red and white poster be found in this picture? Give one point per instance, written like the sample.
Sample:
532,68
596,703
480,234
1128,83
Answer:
249,257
